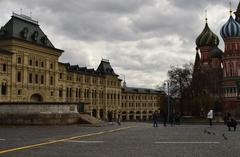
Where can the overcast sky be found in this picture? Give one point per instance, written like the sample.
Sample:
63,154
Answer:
141,38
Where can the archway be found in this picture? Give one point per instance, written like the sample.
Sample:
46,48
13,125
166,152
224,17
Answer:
138,115
131,113
36,98
144,117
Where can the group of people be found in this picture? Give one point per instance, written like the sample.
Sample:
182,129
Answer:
174,118
229,120
110,118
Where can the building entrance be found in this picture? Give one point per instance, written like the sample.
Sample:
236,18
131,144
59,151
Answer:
36,98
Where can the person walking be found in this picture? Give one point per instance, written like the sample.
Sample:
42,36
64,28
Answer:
155,119
119,119
164,116
171,119
210,117
110,117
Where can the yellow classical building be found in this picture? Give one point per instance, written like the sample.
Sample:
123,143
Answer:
30,71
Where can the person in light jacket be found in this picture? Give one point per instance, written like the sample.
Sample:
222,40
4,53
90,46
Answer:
210,117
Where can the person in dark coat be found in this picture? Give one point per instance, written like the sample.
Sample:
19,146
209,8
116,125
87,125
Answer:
225,118
178,118
155,119
110,117
171,118
164,116
231,122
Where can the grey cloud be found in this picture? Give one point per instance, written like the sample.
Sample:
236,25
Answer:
140,38
198,5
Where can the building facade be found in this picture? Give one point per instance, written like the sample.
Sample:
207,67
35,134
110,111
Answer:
31,72
139,103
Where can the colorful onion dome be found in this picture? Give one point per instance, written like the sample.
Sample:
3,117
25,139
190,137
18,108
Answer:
230,29
207,38
216,53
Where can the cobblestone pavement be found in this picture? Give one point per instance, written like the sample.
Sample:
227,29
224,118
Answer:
127,140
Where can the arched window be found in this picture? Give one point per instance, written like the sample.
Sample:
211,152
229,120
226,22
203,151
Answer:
4,88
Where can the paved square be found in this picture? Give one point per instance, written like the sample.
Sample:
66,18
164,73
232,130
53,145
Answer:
130,139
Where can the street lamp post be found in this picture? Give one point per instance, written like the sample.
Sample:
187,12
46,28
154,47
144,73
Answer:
168,102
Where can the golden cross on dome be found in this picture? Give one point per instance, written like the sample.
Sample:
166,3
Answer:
230,7
206,19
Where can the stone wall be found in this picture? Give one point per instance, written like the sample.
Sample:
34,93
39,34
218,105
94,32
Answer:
22,113
33,108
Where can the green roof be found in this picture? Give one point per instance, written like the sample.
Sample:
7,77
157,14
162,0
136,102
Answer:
207,38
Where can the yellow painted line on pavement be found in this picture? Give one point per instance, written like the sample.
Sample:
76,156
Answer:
62,140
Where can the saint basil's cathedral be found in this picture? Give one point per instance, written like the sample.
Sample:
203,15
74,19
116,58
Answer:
217,72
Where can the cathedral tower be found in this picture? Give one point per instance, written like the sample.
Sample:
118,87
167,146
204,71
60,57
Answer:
206,42
230,33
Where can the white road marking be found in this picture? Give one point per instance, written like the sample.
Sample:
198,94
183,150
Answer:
186,142
78,141
1,139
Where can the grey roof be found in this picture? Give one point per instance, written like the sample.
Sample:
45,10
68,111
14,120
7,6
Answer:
105,68
78,69
25,28
141,90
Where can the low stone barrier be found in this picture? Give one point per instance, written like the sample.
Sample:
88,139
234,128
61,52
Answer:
28,113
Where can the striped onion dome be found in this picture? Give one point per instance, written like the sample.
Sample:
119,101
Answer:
230,29
207,38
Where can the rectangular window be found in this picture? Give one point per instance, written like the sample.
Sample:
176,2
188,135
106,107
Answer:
30,78
60,75
67,93
19,60
51,66
36,63
51,80
42,79
19,76
60,93
36,78
4,67
70,92
76,92
19,92
42,64
30,61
